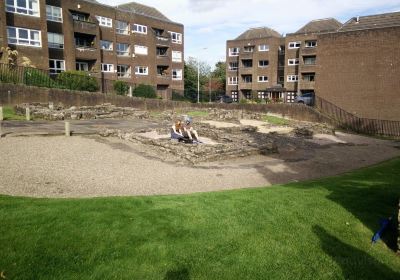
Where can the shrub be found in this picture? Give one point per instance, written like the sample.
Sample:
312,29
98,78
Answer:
145,91
178,97
36,77
77,80
243,101
8,75
121,88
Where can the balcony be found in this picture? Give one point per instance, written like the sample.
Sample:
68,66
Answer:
309,51
85,27
304,84
163,40
246,55
86,53
246,70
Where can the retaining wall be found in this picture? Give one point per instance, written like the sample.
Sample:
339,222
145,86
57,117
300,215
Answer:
11,94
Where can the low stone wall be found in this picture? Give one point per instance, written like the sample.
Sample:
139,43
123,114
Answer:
11,94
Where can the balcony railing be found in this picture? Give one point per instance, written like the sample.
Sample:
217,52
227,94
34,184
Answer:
85,26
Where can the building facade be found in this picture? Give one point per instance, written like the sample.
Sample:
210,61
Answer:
359,67
130,42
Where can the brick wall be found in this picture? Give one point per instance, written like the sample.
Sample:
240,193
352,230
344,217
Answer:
11,94
359,71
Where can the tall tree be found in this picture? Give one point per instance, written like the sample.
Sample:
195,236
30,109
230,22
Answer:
219,74
191,66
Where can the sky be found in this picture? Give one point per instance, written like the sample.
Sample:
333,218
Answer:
210,23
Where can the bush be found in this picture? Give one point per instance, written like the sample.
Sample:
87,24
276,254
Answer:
8,75
145,91
38,78
77,80
178,97
121,88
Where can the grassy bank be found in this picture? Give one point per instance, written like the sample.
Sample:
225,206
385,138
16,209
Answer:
314,230
9,114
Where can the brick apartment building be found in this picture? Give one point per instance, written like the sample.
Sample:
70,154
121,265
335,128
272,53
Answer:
130,42
359,66
355,66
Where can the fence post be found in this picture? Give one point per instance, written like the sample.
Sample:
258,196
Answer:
67,129
28,114
1,114
130,93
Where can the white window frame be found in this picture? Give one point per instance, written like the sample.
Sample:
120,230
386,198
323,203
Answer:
15,9
119,30
79,65
262,95
123,52
292,78
142,70
124,74
233,68
138,28
176,37
263,79
263,48
104,21
107,68
294,45
55,45
176,56
50,13
141,50
293,61
233,80
263,66
311,44
177,74
234,95
56,70
234,51
110,45
24,41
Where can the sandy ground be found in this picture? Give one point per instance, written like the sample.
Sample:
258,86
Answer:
259,124
91,166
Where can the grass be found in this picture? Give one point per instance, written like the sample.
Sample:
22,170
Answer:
309,230
275,120
197,114
9,114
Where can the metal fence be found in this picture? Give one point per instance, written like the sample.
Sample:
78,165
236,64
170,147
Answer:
349,121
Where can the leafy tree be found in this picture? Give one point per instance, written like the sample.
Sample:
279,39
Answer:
219,74
121,88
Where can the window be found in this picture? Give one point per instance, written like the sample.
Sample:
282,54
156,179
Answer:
82,66
24,37
309,60
177,74
308,77
106,45
56,66
141,50
176,56
233,66
124,71
142,70
103,21
294,45
234,95
262,79
311,44
247,79
247,63
263,48
122,27
137,28
262,95
24,7
234,51
293,61
54,13
176,37
248,49
263,63
123,49
84,42
80,16
108,68
292,78
56,41
232,80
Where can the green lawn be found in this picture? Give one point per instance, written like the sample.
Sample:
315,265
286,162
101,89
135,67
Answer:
9,114
314,230
275,120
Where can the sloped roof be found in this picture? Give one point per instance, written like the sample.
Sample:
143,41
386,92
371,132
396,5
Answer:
372,22
260,32
143,10
319,25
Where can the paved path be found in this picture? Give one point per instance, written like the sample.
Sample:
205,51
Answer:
18,128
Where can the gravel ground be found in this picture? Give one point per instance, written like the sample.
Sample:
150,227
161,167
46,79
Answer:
92,166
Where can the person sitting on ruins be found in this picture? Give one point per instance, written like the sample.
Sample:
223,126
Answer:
189,132
176,130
